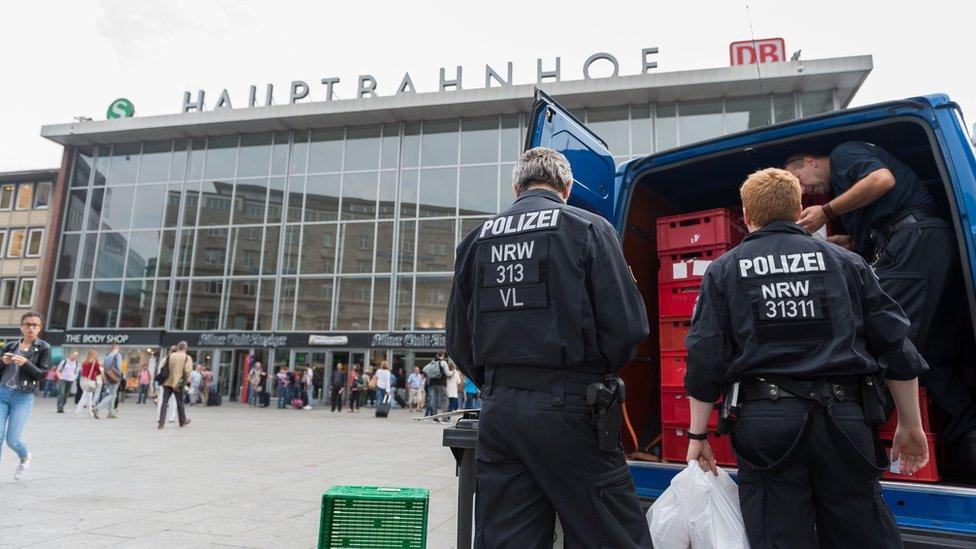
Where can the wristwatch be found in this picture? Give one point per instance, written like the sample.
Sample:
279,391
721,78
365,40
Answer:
695,436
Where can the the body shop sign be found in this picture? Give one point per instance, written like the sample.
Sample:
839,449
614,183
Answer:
96,339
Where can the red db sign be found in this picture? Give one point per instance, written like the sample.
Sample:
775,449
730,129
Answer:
750,52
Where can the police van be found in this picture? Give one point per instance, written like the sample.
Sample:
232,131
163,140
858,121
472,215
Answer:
927,133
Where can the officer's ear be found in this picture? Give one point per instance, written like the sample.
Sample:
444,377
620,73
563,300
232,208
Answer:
566,191
748,220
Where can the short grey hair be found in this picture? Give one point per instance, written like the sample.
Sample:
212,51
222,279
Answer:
544,166
181,346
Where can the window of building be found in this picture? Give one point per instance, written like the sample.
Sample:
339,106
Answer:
364,241
42,195
8,289
7,196
34,238
816,102
15,244
25,196
364,265
213,256
25,297
251,260
362,293
3,240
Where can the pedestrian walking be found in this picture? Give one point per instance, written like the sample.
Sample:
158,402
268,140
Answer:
338,387
437,372
452,386
281,386
112,377
196,384
178,368
67,372
356,387
171,413
415,386
309,379
50,382
90,370
23,365
144,379
384,379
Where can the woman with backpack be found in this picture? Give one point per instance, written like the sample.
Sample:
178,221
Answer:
91,368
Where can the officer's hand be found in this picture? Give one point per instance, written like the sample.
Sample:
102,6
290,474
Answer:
842,240
911,447
812,218
700,451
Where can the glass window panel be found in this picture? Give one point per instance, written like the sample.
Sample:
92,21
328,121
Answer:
158,317
270,263
69,255
438,192
745,113
143,254
3,240
266,301
362,148
384,247
247,250
291,249
101,164
296,198
255,155
203,311
178,318
7,196
136,300
479,190
8,292
155,160
613,126
387,194
34,238
117,208
166,253
435,246
149,203
215,202
60,306
81,305
511,145
411,145
111,255
81,171
42,195
299,153
279,157
25,196
439,144
104,307
356,247
286,304
319,249
408,193
315,295
191,201
276,193
15,242
408,239
185,252
95,208
432,295
468,225
211,254
177,166
641,136
221,157
197,152
359,195
353,310
25,297
506,196
665,127
322,197
76,210
479,140
381,304
174,193
325,151
124,164
403,319
242,298
698,121
391,145
783,108
816,102
250,196
88,255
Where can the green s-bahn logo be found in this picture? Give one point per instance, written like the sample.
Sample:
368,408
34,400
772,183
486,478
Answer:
120,108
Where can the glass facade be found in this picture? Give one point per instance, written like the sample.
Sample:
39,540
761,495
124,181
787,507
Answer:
337,229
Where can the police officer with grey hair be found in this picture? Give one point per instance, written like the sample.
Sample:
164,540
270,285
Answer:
543,313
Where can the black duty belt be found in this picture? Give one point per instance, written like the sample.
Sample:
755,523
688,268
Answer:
535,378
762,388
906,219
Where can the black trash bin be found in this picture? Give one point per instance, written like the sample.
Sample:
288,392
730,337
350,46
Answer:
461,438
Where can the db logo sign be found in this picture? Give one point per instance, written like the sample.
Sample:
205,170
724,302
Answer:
750,52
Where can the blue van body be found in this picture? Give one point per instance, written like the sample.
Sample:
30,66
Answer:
930,515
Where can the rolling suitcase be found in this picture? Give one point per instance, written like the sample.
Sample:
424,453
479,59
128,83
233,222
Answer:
383,408
399,396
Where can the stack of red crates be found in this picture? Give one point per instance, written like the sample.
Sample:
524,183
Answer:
929,473
686,244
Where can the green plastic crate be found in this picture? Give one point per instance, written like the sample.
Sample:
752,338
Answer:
372,517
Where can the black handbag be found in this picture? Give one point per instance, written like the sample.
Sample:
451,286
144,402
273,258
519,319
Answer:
163,374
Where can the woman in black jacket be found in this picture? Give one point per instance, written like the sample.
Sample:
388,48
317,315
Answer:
22,366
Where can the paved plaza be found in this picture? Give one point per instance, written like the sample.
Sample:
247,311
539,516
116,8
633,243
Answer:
235,477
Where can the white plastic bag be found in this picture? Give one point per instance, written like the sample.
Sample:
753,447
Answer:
698,510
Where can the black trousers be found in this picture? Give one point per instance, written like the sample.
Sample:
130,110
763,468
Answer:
919,268
536,459
815,486
180,412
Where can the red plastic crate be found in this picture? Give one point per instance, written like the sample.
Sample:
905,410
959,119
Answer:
677,299
674,445
687,265
673,368
672,333
697,230
929,473
928,423
675,409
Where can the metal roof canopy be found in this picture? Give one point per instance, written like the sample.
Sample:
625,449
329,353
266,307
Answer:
845,74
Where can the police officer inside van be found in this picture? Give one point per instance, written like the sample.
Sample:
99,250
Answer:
887,211
800,333
543,312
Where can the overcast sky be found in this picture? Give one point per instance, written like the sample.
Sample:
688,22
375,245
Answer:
71,58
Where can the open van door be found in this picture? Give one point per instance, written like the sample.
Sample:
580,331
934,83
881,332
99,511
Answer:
593,166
